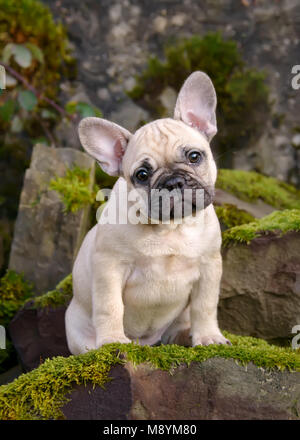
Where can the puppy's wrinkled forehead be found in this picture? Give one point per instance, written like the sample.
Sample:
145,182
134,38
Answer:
161,141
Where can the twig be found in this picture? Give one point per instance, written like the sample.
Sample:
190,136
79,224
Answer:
39,95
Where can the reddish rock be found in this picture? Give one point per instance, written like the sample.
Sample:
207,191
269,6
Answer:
38,334
216,389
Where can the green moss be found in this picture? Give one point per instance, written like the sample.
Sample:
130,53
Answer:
41,393
251,186
243,97
61,295
14,291
74,188
231,216
277,221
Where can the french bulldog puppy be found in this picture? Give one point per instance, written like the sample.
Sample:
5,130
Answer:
151,282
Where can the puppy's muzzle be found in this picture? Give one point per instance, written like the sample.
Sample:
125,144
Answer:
178,195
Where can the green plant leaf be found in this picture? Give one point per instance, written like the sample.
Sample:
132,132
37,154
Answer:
85,110
16,124
7,110
71,107
48,114
36,52
10,81
21,54
27,100
7,52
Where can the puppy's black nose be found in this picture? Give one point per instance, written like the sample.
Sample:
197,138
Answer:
174,182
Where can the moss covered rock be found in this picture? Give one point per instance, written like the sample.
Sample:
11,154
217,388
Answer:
229,215
244,197
38,329
49,230
280,222
57,388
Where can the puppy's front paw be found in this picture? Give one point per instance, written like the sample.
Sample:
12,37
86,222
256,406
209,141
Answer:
113,338
217,338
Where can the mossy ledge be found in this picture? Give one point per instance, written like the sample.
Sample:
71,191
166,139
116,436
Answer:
251,186
279,222
54,298
41,393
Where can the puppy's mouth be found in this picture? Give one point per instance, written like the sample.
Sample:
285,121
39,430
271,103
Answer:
177,196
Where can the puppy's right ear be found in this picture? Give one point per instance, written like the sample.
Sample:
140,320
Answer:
105,141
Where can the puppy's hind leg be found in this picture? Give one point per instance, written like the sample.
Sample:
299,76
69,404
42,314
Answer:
80,334
179,331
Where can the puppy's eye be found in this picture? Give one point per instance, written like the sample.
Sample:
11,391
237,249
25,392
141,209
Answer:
142,175
194,156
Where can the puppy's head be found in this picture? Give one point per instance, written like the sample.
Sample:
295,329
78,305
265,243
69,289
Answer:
167,155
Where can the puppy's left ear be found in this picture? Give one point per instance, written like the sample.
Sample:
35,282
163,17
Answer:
196,104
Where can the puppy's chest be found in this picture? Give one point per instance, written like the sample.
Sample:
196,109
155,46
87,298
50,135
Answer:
167,269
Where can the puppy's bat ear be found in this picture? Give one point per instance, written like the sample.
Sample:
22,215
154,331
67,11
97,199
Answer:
105,141
196,104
